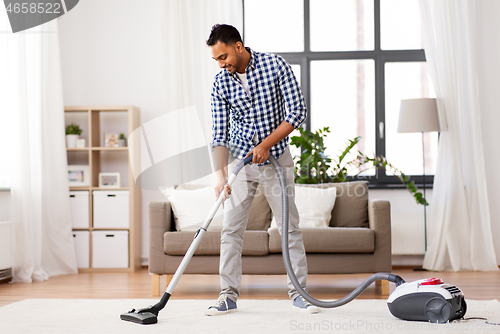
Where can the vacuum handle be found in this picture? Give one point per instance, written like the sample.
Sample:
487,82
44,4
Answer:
248,160
242,164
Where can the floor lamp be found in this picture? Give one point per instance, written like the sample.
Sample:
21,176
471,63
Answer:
419,115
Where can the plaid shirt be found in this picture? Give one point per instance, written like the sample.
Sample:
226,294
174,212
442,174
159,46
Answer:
275,96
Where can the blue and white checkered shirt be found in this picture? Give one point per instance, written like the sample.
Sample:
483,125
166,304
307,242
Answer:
275,96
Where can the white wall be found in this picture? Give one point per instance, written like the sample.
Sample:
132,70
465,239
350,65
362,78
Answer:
489,74
111,54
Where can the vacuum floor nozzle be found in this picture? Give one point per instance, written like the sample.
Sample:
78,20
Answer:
147,315
143,318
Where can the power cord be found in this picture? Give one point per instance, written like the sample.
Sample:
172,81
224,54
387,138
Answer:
485,320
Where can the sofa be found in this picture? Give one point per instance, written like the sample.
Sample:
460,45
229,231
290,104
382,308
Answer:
357,239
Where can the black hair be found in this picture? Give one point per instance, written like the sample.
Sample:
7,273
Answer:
224,33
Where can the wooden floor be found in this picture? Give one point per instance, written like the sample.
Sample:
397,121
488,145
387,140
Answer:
475,285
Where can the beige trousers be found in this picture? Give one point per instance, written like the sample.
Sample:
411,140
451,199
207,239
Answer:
236,210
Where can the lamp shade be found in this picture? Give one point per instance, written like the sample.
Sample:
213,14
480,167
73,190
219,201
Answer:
418,115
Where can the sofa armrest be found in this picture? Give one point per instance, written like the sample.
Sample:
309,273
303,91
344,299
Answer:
379,219
160,220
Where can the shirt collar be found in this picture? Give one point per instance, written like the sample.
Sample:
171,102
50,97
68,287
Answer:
252,64
253,60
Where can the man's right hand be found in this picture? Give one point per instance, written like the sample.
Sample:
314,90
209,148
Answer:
220,185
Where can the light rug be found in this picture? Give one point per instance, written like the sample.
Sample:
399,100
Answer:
253,316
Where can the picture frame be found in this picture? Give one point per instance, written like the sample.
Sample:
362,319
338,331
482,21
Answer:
111,140
80,143
78,175
109,180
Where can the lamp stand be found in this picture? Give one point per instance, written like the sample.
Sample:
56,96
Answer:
425,206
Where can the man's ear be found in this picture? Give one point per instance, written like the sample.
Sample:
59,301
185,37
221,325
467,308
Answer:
239,47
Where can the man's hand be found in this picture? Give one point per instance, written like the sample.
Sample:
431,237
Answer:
261,151
260,154
219,186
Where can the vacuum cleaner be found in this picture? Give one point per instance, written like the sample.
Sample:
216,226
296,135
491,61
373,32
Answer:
423,300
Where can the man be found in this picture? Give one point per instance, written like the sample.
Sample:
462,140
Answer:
256,103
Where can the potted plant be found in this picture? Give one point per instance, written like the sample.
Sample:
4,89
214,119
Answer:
314,166
122,142
73,131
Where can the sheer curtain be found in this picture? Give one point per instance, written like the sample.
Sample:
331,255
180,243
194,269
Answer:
189,69
33,113
460,234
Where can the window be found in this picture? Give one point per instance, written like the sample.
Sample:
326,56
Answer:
355,61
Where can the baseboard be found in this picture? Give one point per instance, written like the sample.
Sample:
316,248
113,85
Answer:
407,260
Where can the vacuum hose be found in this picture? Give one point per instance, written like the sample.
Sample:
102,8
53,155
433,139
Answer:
286,255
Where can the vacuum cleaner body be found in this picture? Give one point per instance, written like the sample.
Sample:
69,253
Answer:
427,300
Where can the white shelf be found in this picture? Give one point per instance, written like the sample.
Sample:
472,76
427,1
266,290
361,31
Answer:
93,116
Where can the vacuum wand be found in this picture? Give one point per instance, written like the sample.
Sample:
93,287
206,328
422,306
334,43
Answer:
203,229
149,315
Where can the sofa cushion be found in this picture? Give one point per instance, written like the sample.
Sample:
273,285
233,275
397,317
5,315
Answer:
314,205
177,243
260,215
351,203
191,208
330,240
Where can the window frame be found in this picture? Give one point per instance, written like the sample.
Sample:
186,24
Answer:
380,57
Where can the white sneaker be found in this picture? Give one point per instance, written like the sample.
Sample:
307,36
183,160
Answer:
303,305
223,306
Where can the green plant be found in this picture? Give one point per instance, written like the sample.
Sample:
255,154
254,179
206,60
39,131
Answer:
313,157
122,136
314,166
73,129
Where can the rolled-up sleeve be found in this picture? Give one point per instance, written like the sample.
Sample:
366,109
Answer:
292,94
220,118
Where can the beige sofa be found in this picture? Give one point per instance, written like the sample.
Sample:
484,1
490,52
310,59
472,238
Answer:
357,241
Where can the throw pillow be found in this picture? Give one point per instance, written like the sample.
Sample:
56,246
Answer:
191,208
259,217
315,206
351,209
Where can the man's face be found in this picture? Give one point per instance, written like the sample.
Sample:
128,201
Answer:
227,56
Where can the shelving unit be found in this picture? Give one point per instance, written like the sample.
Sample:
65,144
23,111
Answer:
95,120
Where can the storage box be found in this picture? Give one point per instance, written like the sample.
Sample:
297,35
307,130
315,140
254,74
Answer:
110,249
111,209
82,248
79,203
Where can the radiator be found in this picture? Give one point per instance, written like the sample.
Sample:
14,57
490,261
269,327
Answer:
407,233
5,250
5,274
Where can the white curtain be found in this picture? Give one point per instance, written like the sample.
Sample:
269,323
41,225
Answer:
33,112
189,72
189,69
459,228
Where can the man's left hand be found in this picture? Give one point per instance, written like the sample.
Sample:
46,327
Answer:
260,154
